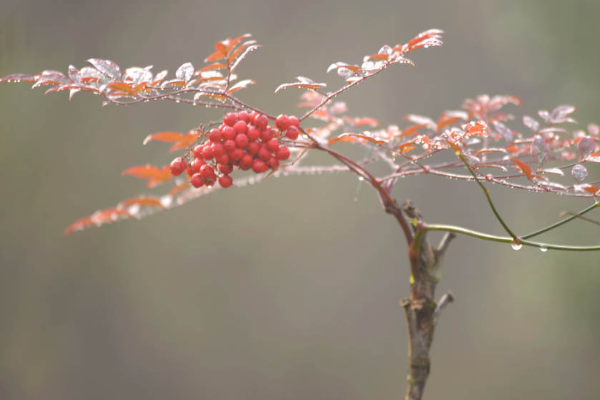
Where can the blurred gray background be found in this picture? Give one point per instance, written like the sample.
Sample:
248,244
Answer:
290,289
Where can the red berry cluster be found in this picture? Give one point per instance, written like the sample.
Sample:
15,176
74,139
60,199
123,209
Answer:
245,141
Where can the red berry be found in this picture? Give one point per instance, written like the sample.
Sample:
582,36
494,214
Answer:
246,161
252,148
207,153
217,149
273,145
240,127
214,135
241,140
292,132
264,154
236,154
177,166
283,153
229,145
253,133
225,181
197,180
223,159
196,164
244,116
226,168
261,121
228,132
294,121
206,171
253,117
190,170
198,151
259,166
282,122
230,119
266,134
273,163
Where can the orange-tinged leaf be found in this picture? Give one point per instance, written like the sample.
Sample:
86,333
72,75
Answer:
216,56
153,174
169,137
406,147
378,57
178,188
146,201
240,85
592,189
189,139
526,169
446,121
413,130
98,218
355,137
211,67
120,86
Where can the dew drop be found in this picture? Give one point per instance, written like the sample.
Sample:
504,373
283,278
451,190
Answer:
543,249
360,178
516,246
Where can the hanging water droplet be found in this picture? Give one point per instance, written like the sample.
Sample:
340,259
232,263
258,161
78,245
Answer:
543,249
516,246
360,178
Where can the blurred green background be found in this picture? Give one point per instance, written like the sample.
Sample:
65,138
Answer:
290,289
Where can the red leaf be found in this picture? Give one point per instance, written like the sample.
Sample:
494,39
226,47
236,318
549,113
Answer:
523,167
592,189
152,174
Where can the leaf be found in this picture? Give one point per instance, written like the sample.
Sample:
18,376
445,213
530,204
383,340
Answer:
523,167
190,139
579,173
169,137
585,146
531,123
355,137
378,57
560,113
498,102
240,53
592,189
18,78
450,117
475,128
540,151
240,85
304,83
152,174
120,86
106,67
505,131
146,201
98,218
185,72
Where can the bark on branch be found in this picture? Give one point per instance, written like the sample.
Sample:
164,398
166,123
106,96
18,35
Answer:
421,310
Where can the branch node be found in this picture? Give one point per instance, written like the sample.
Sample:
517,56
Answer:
446,299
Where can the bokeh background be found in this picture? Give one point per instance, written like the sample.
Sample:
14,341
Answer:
290,289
